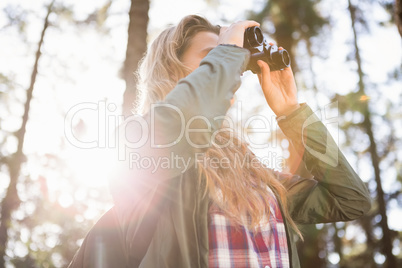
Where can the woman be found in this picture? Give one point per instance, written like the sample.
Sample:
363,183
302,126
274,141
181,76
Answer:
200,214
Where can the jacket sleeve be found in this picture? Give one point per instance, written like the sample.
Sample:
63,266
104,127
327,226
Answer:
162,143
336,193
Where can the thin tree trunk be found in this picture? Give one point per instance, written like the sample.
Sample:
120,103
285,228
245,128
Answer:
398,15
367,124
11,201
338,245
312,245
366,223
136,47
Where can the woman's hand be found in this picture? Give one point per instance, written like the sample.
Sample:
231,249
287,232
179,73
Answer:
234,34
279,88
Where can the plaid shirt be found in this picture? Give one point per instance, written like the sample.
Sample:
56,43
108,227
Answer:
239,247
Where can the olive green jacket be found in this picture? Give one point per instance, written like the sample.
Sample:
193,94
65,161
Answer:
160,218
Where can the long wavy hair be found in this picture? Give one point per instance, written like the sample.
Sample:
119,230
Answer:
240,190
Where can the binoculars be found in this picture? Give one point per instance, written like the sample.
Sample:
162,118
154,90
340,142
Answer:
260,50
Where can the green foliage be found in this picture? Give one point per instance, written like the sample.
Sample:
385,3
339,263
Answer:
16,16
293,20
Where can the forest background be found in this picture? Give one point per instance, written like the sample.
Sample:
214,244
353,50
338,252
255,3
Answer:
58,56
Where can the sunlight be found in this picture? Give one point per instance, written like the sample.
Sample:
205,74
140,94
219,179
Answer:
91,166
89,143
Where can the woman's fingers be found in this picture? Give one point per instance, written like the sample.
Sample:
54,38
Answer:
223,29
272,44
234,34
247,23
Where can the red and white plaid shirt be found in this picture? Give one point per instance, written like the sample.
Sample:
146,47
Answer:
239,247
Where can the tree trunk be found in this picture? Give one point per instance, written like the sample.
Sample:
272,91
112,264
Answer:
338,245
367,124
11,201
366,223
136,47
314,243
398,15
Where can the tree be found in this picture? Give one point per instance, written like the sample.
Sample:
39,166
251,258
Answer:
42,231
358,101
398,15
11,201
293,21
136,47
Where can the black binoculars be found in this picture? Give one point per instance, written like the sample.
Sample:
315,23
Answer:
260,50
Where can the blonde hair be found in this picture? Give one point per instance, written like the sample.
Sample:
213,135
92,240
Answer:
240,190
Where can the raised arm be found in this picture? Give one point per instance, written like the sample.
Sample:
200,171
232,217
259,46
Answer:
200,97
336,193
